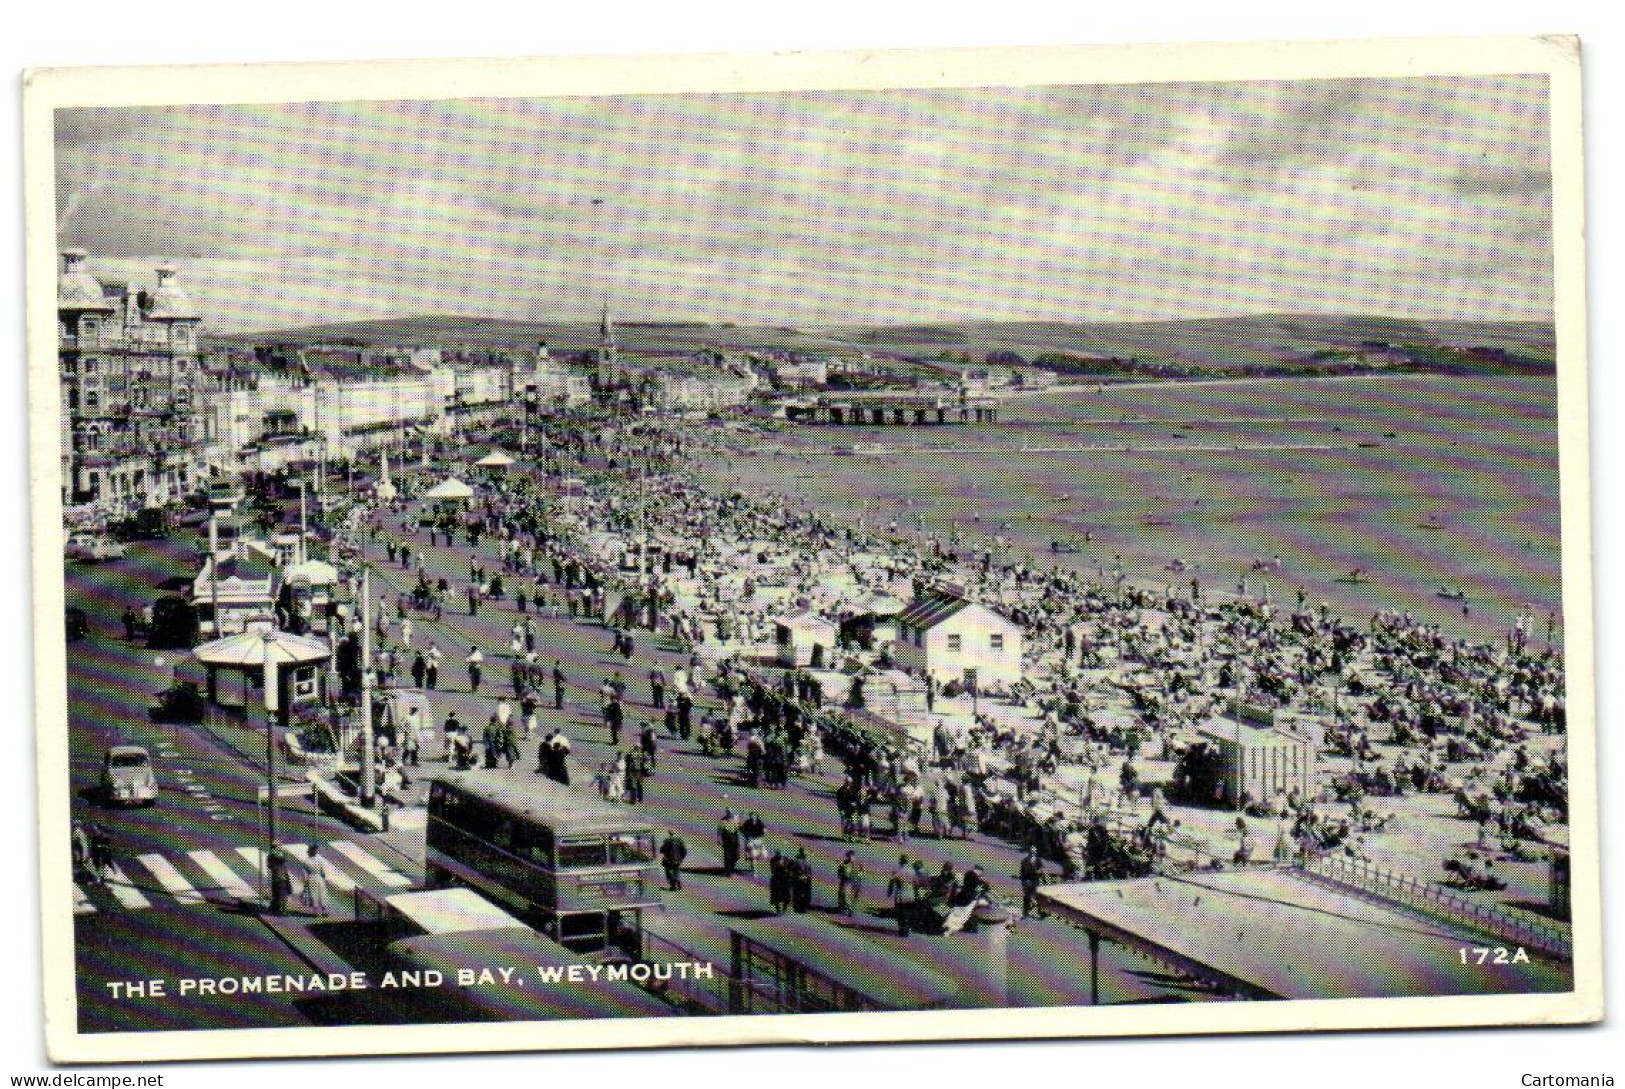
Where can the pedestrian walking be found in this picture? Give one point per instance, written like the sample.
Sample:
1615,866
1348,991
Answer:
474,661
420,669
558,686
431,668
672,853
315,894
651,746
848,884
753,841
801,883
81,850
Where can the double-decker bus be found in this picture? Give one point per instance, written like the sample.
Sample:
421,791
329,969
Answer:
578,867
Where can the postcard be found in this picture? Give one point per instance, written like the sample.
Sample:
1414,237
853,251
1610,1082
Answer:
587,553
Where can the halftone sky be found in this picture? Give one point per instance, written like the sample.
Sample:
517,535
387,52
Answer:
1426,197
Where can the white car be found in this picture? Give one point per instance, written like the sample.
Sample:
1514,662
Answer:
89,548
128,777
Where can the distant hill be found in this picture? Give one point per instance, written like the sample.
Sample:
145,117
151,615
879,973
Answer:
1257,343
651,338
1201,347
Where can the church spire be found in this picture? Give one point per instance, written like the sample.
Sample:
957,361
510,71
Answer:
606,327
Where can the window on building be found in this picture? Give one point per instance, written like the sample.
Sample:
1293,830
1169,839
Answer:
955,642
90,366
92,399
996,640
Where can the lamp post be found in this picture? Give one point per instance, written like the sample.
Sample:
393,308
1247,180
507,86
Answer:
214,571
274,862
366,785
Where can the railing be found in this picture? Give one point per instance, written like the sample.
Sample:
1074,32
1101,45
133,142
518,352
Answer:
1435,900
710,995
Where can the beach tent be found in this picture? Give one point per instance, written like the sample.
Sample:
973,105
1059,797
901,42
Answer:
449,490
804,639
496,459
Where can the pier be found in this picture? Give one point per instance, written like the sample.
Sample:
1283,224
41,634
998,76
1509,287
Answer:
894,409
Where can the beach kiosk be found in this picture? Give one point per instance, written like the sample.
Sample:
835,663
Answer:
804,639
236,667
1262,756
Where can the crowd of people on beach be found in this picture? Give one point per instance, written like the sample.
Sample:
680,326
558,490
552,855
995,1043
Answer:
610,526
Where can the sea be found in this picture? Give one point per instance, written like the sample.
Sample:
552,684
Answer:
1442,492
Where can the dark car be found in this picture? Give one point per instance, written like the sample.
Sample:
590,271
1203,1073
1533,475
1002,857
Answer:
174,624
78,625
150,524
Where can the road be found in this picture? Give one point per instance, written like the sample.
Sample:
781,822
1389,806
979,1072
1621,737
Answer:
183,897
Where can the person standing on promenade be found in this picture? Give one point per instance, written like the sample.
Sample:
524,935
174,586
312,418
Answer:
634,777
1032,878
779,881
474,660
900,887
614,715
657,689
561,758
431,667
801,883
753,840
728,837
558,685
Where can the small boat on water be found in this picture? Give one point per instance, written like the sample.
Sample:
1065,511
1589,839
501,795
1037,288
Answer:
1457,594
1354,577
1064,547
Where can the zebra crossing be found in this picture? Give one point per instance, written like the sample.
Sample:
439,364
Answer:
193,878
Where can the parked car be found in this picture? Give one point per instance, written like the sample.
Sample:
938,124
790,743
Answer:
174,624
89,548
147,524
128,777
78,625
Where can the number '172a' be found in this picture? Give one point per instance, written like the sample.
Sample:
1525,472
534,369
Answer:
1500,954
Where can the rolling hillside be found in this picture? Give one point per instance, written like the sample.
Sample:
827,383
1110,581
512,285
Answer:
1273,343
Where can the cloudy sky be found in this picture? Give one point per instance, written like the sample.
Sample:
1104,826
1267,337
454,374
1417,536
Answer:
1423,197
